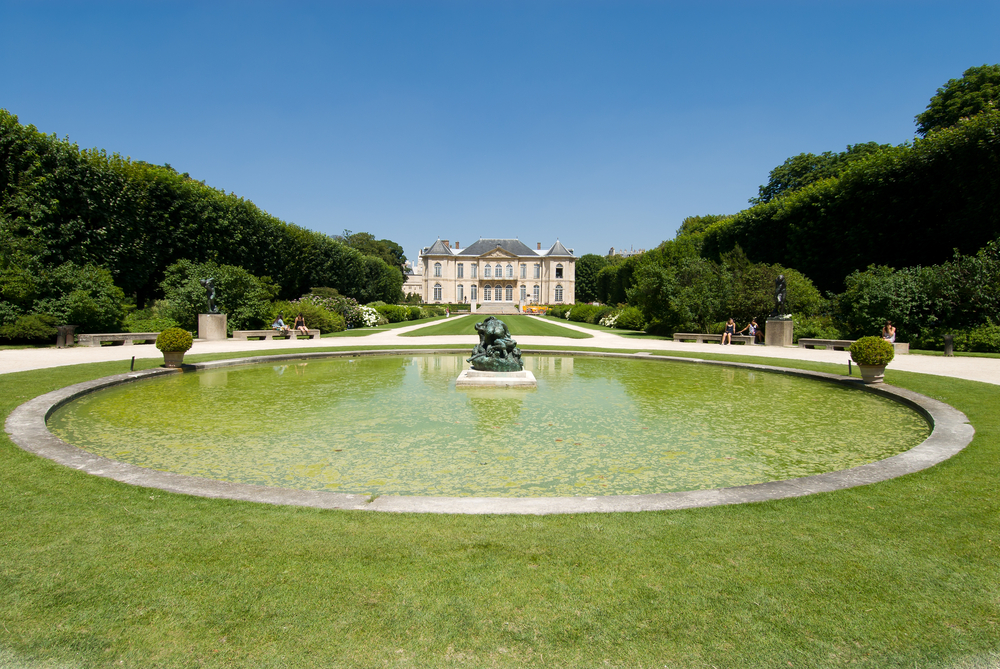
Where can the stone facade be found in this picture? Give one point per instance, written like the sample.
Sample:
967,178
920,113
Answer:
452,274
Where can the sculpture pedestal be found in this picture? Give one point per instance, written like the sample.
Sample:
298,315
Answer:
212,327
778,332
473,378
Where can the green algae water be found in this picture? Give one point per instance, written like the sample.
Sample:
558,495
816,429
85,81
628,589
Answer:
397,426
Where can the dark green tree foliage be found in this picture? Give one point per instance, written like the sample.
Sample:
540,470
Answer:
899,206
807,168
243,297
58,204
587,268
696,225
386,249
978,90
924,303
84,296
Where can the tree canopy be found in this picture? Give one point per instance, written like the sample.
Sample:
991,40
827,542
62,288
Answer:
807,168
978,90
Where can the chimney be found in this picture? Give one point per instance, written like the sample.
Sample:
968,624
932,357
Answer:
456,245
446,243
539,246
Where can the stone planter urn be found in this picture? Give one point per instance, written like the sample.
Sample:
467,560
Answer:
872,373
872,354
174,343
173,358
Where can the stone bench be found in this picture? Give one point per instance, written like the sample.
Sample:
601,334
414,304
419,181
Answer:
245,335
901,348
701,338
117,338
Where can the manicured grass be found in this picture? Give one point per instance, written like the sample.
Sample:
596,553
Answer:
364,332
518,326
905,573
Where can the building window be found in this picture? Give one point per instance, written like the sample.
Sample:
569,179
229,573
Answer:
473,292
437,292
475,271
487,294
487,271
461,293
538,271
437,269
510,271
559,272
509,293
558,293
524,271
534,292
524,292
499,271
461,270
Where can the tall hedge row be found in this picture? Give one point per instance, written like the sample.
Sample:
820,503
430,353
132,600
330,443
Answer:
59,203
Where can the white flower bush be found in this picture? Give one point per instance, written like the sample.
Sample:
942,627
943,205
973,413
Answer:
369,316
610,320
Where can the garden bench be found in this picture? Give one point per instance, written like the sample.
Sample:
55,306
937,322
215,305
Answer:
701,338
245,335
901,348
117,338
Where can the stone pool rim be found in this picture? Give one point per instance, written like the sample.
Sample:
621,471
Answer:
950,433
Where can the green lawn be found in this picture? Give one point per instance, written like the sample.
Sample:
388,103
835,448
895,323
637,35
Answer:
518,326
905,573
364,332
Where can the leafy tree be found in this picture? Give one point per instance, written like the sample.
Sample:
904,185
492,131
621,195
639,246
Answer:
976,91
696,225
587,268
806,168
386,249
243,297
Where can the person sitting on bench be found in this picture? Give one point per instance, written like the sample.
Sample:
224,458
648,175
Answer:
279,325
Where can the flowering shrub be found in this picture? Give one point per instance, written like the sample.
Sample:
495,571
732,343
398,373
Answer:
368,316
609,320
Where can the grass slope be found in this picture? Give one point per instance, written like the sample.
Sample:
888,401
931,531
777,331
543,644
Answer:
904,573
518,326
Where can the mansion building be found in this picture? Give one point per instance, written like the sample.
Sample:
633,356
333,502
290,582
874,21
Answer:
495,270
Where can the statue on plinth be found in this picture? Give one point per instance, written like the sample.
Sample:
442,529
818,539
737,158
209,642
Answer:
209,285
780,299
496,351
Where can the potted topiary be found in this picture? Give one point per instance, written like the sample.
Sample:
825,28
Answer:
174,342
872,354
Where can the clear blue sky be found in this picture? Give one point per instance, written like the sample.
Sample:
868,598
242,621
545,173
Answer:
601,123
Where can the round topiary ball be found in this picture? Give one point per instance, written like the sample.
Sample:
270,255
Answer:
174,340
872,351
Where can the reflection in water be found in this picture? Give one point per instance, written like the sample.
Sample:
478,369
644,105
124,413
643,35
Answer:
397,425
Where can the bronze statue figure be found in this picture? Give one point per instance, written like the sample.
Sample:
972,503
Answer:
780,297
209,285
496,351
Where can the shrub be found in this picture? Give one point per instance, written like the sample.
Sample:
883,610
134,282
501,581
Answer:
560,310
85,296
597,313
243,297
148,320
393,313
434,310
174,340
814,327
414,313
983,339
872,351
30,327
629,318
581,312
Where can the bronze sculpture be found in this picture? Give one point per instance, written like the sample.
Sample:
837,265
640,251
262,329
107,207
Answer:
496,351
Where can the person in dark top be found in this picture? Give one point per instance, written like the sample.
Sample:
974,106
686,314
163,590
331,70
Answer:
727,336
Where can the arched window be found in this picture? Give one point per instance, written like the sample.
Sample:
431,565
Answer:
437,292
473,292
534,294
509,293
461,292
487,293
524,292
559,271
487,271
558,293
437,269
510,271
499,271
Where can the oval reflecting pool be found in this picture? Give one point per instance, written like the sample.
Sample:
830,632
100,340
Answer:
397,425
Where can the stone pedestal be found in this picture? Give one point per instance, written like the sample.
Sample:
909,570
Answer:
212,327
778,332
473,306
473,378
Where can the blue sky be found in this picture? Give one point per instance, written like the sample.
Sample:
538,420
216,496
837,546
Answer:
600,123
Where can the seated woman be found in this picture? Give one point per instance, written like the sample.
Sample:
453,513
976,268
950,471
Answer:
727,336
279,325
753,330
300,324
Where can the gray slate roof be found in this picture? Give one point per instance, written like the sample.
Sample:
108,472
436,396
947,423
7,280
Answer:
438,247
515,246
558,250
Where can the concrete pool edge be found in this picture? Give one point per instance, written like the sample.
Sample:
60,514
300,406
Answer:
951,432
